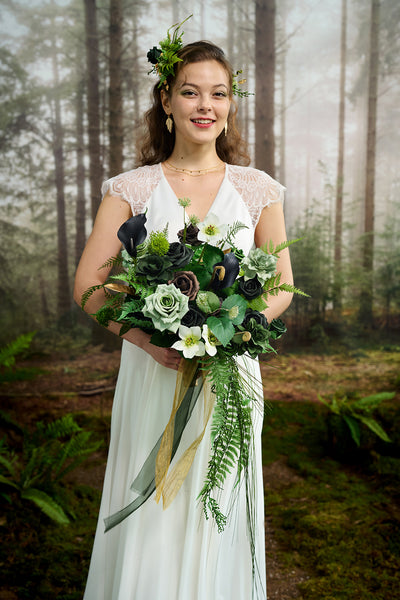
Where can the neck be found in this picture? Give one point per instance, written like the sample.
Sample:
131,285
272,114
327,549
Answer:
195,158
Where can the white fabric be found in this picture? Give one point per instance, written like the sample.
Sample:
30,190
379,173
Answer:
174,554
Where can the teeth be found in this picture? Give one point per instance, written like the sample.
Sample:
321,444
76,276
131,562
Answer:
202,121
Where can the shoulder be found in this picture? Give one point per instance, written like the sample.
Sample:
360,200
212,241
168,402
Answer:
135,186
258,181
257,189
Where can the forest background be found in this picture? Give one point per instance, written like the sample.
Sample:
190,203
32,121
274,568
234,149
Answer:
323,121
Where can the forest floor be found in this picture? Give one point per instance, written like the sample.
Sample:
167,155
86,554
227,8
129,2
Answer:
83,385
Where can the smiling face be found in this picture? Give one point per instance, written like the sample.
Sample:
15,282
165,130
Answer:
199,102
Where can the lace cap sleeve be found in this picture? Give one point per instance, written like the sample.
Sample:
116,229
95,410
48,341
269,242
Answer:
135,187
256,188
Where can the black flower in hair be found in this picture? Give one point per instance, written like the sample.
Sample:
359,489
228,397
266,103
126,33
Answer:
153,55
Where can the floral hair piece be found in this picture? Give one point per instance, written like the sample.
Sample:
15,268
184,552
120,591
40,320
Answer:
165,58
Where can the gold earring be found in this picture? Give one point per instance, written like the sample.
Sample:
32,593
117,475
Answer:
169,123
226,128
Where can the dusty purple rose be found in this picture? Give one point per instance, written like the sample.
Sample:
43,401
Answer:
187,283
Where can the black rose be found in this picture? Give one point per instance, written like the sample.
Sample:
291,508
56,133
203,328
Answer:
193,318
251,288
153,55
191,235
277,328
179,254
257,317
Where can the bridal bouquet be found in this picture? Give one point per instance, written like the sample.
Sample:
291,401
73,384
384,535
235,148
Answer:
202,296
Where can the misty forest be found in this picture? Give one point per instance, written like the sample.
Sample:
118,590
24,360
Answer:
323,119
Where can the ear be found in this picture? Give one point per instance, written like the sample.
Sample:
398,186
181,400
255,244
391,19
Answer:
165,101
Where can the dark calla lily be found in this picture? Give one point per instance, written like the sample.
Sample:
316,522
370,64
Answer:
132,233
225,272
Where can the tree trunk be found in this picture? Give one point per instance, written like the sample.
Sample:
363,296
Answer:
337,284
115,107
63,287
265,85
80,212
366,299
282,65
93,97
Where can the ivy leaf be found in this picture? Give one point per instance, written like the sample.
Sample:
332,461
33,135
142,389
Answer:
222,328
236,308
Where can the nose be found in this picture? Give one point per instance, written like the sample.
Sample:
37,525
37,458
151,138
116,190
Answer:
204,104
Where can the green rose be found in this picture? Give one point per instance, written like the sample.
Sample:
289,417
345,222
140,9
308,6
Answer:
259,263
166,307
259,341
277,328
154,268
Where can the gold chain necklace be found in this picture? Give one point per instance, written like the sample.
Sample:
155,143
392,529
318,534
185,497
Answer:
194,173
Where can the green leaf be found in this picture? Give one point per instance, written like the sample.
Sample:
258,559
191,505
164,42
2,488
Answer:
202,274
46,505
6,481
373,401
375,427
211,256
236,308
257,304
222,328
354,428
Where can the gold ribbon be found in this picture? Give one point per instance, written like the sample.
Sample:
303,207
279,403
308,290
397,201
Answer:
168,484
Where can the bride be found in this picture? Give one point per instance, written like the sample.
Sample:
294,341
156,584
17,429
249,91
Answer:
192,150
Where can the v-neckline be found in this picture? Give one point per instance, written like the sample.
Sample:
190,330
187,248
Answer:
217,195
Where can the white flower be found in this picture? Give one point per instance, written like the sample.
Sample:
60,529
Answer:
190,343
210,230
211,342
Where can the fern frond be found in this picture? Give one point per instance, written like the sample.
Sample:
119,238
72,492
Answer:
89,292
9,352
114,261
269,247
232,231
287,287
47,505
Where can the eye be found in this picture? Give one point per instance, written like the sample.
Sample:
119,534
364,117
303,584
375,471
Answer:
188,93
221,94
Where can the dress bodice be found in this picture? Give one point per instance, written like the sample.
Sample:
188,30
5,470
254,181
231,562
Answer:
245,187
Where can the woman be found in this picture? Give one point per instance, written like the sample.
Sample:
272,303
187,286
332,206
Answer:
191,151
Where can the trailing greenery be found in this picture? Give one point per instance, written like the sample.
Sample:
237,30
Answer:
231,433
47,455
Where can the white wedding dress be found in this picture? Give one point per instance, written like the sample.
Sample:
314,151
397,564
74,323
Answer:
175,554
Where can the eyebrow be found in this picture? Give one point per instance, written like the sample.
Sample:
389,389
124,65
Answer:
197,86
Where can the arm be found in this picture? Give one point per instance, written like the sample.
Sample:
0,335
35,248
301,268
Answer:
271,226
102,244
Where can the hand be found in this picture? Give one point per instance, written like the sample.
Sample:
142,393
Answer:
167,357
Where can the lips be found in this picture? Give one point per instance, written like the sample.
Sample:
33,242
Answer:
203,123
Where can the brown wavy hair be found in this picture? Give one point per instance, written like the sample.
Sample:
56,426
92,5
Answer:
157,143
